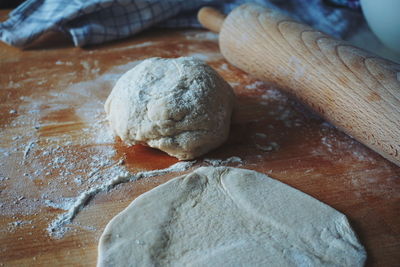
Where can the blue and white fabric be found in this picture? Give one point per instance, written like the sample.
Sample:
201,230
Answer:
98,21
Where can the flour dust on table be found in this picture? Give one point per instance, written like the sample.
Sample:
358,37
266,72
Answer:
223,216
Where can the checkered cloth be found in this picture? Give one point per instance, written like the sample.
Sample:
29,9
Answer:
99,21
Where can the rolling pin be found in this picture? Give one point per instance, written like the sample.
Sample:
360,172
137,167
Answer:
356,91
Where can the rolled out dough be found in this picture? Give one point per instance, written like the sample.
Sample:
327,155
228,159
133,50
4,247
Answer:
221,216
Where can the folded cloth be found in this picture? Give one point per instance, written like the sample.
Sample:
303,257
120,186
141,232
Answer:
98,21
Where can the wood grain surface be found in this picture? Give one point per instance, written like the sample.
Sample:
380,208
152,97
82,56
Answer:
55,144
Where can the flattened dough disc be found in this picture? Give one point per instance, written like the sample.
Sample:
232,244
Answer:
221,216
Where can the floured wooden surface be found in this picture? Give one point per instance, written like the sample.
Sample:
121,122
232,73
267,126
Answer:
55,146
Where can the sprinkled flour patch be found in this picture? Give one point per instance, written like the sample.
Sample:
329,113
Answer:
254,85
55,145
334,145
13,226
221,162
58,228
206,35
270,146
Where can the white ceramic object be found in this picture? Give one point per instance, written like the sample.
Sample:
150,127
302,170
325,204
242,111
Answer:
383,17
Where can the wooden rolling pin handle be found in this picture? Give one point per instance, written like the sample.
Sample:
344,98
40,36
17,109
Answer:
355,90
211,18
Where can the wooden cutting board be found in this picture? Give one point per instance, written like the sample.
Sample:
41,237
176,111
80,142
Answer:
55,144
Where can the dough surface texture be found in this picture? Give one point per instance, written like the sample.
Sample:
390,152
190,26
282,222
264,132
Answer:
221,216
180,106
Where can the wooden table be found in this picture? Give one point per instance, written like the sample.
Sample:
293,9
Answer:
54,144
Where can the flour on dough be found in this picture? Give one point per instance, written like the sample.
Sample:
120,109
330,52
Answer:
180,105
220,216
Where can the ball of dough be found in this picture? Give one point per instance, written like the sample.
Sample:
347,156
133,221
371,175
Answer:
180,106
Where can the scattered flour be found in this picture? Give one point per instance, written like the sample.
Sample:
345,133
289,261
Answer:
47,161
254,85
234,84
271,146
13,84
67,63
195,35
28,149
224,66
274,94
57,228
64,204
335,145
220,162
12,226
141,45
